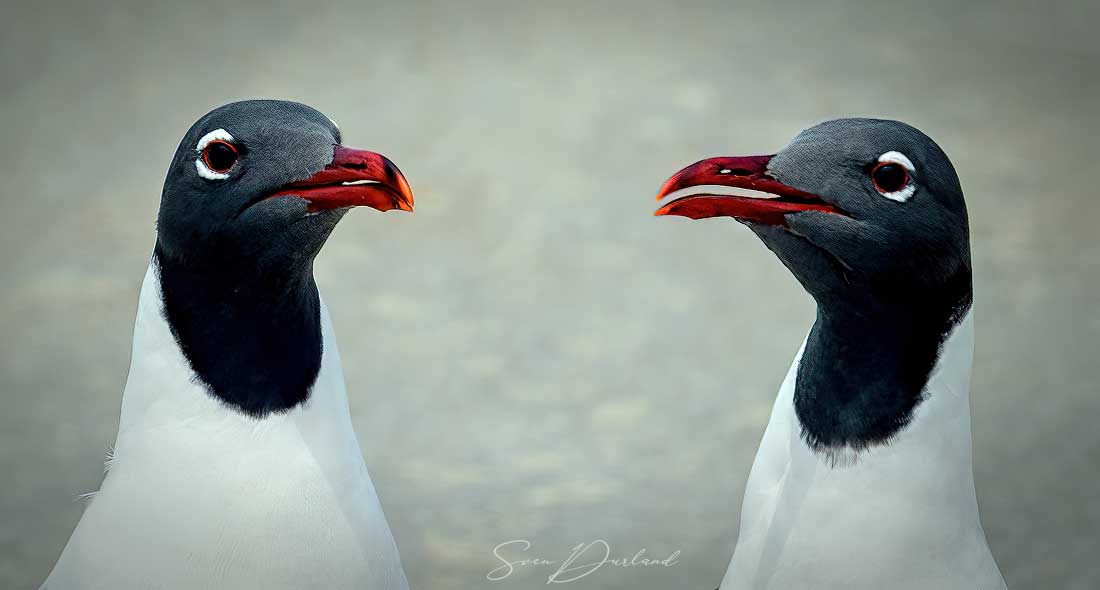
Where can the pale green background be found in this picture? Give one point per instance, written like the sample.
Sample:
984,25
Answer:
530,354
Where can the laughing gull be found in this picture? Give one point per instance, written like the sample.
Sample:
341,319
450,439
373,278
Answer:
235,464
863,479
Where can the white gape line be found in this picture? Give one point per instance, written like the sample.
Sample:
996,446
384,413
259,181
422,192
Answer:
715,189
200,166
902,160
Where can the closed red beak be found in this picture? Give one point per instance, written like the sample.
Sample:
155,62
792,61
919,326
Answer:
354,178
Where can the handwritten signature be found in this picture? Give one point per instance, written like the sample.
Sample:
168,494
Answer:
584,560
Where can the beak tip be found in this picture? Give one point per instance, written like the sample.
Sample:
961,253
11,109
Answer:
406,202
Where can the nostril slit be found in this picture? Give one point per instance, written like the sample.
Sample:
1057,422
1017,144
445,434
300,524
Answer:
741,172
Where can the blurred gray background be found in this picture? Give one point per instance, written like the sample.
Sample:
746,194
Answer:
540,358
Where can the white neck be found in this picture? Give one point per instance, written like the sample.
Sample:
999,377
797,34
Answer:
162,388
901,515
287,496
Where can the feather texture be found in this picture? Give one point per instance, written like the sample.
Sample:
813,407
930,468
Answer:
202,496
902,515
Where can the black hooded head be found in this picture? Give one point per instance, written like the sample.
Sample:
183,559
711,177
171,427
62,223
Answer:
904,228
870,218
252,194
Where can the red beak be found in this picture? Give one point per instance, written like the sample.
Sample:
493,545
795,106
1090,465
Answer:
354,178
775,199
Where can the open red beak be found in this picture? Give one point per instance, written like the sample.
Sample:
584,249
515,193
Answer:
766,200
354,178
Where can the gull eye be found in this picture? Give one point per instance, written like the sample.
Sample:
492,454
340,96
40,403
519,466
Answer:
889,177
892,175
219,156
217,153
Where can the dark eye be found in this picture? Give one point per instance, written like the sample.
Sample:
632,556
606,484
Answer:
889,177
219,156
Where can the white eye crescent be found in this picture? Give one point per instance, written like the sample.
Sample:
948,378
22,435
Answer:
898,158
217,135
892,176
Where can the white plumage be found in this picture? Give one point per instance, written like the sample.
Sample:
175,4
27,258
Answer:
199,495
900,516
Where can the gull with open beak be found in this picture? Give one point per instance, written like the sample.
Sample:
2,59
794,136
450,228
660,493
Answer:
863,479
